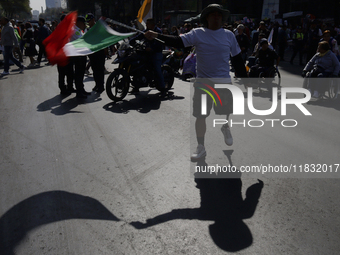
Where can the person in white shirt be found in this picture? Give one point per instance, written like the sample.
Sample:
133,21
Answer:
214,46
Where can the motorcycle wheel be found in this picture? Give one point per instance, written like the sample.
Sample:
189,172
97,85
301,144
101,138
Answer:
169,77
117,85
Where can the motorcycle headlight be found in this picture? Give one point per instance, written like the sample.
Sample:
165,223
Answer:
121,53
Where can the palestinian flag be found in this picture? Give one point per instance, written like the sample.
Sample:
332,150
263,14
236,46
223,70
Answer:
55,42
97,38
58,48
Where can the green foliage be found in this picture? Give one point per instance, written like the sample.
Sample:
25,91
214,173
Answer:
82,6
12,8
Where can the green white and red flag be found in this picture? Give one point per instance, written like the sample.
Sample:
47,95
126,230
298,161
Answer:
97,38
59,48
55,42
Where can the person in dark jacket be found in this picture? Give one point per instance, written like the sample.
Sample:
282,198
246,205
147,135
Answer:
282,42
243,42
68,72
266,59
298,44
44,32
312,40
97,60
29,43
155,49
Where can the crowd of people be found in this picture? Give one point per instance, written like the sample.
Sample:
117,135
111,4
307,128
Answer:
27,37
216,43
303,39
20,39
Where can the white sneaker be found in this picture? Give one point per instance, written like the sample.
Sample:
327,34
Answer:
22,69
316,94
5,73
199,153
228,139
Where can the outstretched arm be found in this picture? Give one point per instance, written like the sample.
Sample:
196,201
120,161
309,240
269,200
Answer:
170,40
186,214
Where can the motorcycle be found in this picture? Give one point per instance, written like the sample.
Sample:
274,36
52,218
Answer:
136,70
174,58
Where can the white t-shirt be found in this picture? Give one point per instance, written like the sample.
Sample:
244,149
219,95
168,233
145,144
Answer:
213,50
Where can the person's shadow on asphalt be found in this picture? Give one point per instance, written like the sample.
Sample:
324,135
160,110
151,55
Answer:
221,202
45,208
142,103
59,107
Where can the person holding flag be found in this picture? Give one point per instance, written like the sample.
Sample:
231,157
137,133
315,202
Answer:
79,62
97,60
214,45
65,71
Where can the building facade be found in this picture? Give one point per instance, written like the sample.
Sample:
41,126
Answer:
53,3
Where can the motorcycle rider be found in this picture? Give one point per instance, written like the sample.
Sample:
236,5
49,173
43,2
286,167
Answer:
155,48
266,59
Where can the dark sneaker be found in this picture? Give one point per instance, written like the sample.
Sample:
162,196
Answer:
100,90
134,91
71,90
82,96
86,93
22,69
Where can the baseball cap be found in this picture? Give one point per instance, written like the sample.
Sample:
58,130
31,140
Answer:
241,26
263,40
89,16
81,19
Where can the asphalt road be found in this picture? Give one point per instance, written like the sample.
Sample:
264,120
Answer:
96,177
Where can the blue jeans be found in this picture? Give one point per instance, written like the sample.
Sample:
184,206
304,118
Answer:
8,55
157,59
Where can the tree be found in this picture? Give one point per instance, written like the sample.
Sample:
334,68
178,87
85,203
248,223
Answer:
14,7
82,6
52,13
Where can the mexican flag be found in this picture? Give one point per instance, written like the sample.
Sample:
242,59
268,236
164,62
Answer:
97,38
59,48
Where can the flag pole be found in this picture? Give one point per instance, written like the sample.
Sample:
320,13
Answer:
132,28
